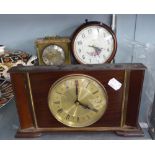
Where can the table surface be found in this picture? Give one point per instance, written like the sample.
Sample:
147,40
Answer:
9,124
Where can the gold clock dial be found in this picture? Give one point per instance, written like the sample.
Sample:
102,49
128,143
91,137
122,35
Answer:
53,55
77,100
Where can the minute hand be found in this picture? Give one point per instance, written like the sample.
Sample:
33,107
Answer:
87,107
77,89
96,48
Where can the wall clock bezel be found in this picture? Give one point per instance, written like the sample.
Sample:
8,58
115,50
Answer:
94,23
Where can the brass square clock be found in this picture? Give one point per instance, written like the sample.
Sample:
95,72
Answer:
53,50
78,98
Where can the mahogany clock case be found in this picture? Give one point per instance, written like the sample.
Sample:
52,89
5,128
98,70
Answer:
32,84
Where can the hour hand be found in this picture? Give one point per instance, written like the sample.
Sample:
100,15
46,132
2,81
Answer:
87,107
96,48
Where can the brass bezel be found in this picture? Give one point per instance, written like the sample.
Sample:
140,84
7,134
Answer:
63,42
83,75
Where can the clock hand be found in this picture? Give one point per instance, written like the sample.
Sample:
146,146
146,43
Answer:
96,48
76,90
87,107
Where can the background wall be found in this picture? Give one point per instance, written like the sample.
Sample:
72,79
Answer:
20,32
136,43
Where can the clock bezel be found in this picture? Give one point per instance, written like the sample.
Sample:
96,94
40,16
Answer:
94,23
87,76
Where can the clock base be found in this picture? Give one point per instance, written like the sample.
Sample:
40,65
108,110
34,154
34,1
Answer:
27,134
136,133
34,133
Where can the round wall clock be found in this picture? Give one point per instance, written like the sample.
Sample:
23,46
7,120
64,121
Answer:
77,100
94,43
53,55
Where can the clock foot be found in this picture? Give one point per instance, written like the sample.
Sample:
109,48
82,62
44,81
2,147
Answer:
137,133
27,134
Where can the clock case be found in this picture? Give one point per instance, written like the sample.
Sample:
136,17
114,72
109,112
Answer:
63,42
32,84
94,23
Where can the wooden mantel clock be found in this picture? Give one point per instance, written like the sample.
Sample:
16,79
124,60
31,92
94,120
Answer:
78,98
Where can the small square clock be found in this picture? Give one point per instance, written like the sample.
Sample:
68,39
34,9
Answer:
53,50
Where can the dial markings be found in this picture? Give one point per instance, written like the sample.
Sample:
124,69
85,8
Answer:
59,93
88,84
78,119
56,102
60,110
67,117
83,35
79,42
79,50
95,92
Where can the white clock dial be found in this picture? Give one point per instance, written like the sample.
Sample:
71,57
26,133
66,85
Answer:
93,45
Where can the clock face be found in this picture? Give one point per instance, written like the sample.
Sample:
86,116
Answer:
94,44
53,55
77,100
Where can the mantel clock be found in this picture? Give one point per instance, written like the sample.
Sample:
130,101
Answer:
78,98
53,50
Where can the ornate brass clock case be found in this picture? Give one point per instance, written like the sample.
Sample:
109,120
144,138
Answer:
77,100
53,50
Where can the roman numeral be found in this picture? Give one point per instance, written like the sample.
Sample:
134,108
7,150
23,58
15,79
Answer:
95,92
67,117
87,84
56,102
78,119
60,110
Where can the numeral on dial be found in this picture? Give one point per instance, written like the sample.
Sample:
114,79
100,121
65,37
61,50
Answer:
95,92
83,35
89,31
67,117
83,56
78,119
60,110
56,102
79,50
79,42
